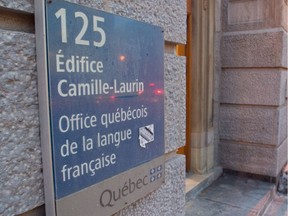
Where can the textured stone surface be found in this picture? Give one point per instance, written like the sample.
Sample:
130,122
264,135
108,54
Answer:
167,14
282,124
284,13
249,124
23,5
258,49
257,159
285,50
263,125
253,14
217,78
253,86
169,200
284,86
175,107
18,51
253,115
170,16
21,180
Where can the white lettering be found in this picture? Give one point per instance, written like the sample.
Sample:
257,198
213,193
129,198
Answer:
89,168
76,122
77,64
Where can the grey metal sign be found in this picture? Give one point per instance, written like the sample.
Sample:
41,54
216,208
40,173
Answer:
101,93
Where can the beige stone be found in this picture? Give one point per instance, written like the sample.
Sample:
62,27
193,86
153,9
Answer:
259,86
283,8
175,97
282,122
256,159
249,124
254,49
23,5
253,14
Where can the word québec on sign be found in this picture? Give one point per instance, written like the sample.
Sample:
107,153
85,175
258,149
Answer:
106,93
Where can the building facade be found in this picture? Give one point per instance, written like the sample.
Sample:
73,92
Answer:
225,70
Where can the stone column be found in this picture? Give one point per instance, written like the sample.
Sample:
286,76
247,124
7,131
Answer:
200,131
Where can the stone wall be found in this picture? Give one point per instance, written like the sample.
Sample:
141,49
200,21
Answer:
21,179
253,89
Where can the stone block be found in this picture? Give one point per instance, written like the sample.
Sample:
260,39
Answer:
284,86
217,67
283,4
249,124
285,50
175,97
251,158
166,14
253,14
17,51
254,49
21,178
23,5
218,12
282,123
169,199
253,86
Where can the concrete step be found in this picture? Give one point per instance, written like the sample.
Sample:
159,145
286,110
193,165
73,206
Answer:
196,183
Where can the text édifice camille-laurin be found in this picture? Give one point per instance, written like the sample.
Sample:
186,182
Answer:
82,64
